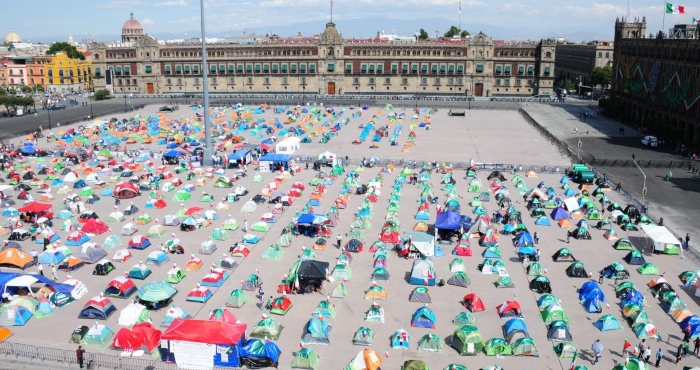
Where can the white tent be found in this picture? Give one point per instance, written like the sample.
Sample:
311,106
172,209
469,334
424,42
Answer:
288,145
661,237
571,204
131,314
22,281
328,156
422,242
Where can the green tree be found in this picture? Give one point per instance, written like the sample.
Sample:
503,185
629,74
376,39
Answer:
453,31
101,94
70,50
423,35
601,76
464,33
567,84
26,89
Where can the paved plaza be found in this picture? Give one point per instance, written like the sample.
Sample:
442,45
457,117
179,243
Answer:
482,136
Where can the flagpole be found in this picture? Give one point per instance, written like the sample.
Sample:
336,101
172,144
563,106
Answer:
331,11
663,23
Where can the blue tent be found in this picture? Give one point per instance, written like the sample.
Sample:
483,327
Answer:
633,297
559,213
591,290
172,145
260,349
523,239
515,323
439,252
693,322
79,184
274,157
14,316
466,222
591,305
238,155
543,221
424,317
607,322
84,238
448,220
308,218
569,192
174,154
28,149
314,203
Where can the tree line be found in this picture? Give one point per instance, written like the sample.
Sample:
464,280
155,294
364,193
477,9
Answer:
452,32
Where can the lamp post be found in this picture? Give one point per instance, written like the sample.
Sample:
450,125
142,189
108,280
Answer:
644,185
579,86
578,149
131,99
124,99
208,153
303,91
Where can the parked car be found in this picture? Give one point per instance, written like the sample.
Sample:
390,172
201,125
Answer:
167,109
650,141
58,106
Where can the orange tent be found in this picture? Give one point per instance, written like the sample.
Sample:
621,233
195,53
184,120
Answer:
564,223
4,334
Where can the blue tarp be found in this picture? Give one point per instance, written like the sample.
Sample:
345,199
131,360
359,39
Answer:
307,218
523,239
28,149
448,220
274,157
693,322
174,154
238,155
7,276
270,351
591,306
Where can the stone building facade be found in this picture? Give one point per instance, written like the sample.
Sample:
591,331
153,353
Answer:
327,64
576,61
655,79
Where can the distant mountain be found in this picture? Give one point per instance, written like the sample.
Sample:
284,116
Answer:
368,28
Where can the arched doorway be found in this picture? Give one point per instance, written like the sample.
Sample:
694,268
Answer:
479,89
331,88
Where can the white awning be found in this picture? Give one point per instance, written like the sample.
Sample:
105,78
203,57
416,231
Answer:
571,204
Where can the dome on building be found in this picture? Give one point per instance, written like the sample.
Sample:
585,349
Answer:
132,24
12,37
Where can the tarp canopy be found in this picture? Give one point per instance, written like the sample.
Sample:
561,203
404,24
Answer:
204,331
661,236
448,220
273,157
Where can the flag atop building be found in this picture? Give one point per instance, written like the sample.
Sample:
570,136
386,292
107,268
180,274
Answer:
674,9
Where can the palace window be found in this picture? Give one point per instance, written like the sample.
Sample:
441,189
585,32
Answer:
404,81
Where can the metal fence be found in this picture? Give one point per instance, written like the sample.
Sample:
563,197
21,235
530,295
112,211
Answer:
99,360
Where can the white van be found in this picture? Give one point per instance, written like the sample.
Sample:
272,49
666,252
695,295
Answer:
650,141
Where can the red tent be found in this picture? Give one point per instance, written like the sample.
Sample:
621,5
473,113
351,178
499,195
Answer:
35,207
509,309
473,303
149,334
94,226
126,190
462,250
127,339
222,314
205,331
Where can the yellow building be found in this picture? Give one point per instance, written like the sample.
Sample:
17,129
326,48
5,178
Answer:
63,74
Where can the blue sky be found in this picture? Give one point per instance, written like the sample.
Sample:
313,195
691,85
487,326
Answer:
105,17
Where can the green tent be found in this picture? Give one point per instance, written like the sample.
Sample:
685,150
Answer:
524,347
457,265
261,226
342,272
648,269
546,300
637,364
284,240
175,275
497,346
467,340
306,358
581,367
464,318
565,350
237,298
268,328
534,269
364,336
181,196
414,365
623,244
554,313
339,291
223,182
219,234
504,282
430,342
273,253
206,198
324,309
230,224
455,367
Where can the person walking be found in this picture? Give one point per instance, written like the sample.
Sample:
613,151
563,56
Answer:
641,347
647,354
40,267
536,236
54,272
687,240
679,354
245,226
79,354
626,348
659,356
568,235
601,277
597,348
696,349
339,239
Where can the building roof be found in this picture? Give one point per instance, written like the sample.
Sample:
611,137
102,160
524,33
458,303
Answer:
12,37
132,24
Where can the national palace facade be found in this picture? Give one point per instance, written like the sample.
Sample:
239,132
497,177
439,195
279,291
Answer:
325,64
656,79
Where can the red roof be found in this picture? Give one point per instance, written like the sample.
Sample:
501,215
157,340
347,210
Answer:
35,207
204,331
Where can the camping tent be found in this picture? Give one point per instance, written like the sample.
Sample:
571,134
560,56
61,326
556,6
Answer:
423,272
424,317
306,358
664,240
467,340
200,334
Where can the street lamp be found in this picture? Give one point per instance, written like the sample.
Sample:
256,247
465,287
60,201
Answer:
644,185
578,149
124,99
579,85
303,90
131,99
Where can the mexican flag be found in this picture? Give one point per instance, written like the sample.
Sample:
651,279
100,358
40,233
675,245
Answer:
696,21
671,9
573,361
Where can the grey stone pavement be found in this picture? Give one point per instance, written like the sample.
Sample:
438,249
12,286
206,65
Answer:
487,136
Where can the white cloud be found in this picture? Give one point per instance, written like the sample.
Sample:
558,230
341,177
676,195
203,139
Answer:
172,3
147,22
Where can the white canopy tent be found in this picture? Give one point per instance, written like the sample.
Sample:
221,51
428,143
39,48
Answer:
288,145
22,281
571,204
328,156
422,242
663,239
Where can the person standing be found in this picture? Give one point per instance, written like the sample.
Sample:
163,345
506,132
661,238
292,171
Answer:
626,348
597,349
54,272
245,226
679,354
687,240
537,237
696,349
659,356
79,354
641,348
568,235
339,239
41,269
601,277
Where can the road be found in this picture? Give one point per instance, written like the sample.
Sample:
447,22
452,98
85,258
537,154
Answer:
10,127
